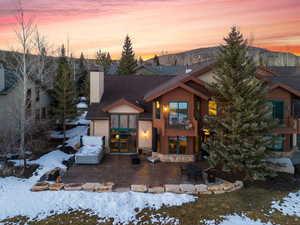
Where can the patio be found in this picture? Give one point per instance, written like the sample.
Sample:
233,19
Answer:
119,170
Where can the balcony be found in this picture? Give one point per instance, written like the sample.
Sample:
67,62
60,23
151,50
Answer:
188,127
287,126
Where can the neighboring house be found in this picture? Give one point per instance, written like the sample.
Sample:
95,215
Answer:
159,70
11,92
151,70
165,113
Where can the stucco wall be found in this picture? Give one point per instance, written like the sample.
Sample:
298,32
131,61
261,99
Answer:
145,134
100,128
96,86
123,109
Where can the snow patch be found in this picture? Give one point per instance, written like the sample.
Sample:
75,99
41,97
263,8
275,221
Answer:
289,205
236,220
17,198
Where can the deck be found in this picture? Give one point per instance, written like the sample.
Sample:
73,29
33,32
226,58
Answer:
119,170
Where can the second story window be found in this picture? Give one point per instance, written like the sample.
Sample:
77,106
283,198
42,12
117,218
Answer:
178,115
157,109
278,110
212,108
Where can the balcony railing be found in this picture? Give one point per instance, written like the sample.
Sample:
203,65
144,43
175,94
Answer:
176,124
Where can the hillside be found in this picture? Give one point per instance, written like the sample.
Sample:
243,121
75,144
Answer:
261,57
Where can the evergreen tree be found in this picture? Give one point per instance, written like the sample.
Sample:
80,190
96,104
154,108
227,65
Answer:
240,130
82,75
103,59
128,63
156,61
64,93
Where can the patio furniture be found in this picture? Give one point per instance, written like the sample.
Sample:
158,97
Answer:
193,172
135,160
91,151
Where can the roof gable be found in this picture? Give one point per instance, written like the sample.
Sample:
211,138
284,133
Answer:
118,107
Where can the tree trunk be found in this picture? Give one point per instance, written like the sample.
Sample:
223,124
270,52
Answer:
64,133
23,111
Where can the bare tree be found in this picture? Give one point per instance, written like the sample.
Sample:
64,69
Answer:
31,65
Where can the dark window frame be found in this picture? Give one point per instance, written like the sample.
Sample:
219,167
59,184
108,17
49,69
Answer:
128,120
177,111
177,140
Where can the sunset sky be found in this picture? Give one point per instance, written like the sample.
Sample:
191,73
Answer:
156,25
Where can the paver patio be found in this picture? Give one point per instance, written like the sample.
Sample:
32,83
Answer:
119,170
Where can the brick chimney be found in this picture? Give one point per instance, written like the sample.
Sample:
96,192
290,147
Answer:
96,84
2,78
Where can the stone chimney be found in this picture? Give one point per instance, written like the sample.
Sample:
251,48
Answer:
2,78
96,84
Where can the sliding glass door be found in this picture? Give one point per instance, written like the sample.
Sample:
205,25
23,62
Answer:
123,133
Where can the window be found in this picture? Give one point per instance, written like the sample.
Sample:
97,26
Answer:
178,115
177,145
157,109
278,110
123,121
212,108
37,114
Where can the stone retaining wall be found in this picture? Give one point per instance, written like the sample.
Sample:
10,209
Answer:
173,157
189,188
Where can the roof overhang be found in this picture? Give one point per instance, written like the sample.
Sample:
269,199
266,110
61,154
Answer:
177,85
285,87
122,102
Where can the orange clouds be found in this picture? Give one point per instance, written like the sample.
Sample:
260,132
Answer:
156,25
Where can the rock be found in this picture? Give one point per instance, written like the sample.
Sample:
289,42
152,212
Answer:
188,188
174,188
91,186
214,188
104,187
238,184
201,188
156,189
139,188
227,186
73,187
40,186
56,187
219,192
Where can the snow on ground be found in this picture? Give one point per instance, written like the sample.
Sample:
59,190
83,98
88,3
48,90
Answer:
73,135
82,105
15,194
289,205
236,220
80,120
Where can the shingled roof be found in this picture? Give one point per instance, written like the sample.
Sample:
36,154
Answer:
131,88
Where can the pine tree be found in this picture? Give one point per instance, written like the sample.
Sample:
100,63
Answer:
128,63
156,61
64,93
240,130
103,59
82,75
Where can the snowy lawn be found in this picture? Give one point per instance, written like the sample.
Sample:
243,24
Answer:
18,200
73,135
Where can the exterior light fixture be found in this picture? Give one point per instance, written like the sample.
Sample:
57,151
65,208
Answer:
166,109
145,133
157,105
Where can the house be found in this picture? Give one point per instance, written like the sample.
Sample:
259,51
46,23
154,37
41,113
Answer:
165,113
150,70
11,92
